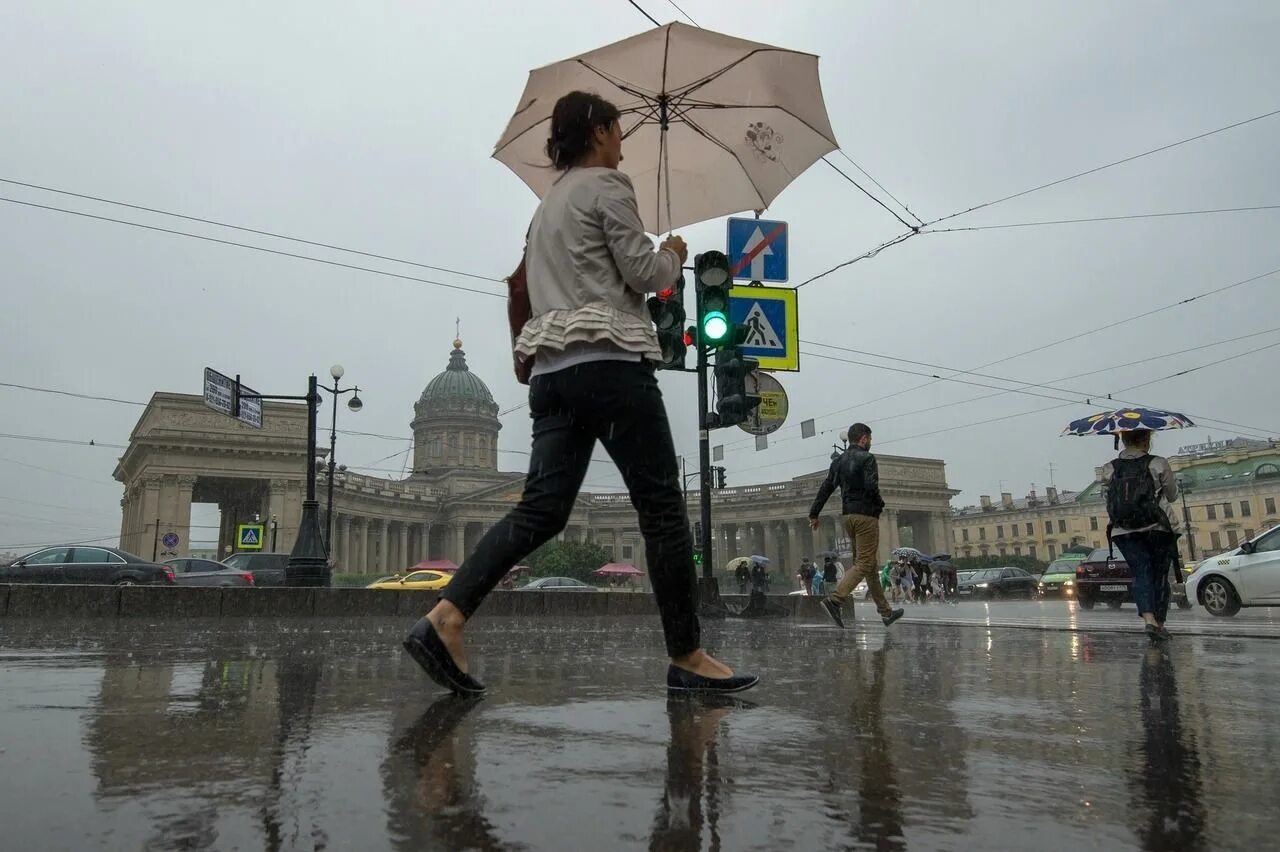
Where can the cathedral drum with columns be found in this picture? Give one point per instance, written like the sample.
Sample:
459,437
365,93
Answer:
181,452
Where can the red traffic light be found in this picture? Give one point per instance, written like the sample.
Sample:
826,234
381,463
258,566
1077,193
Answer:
688,338
667,293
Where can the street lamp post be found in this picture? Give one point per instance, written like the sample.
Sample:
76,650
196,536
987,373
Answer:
336,372
1186,519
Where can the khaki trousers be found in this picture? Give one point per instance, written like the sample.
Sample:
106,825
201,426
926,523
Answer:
864,538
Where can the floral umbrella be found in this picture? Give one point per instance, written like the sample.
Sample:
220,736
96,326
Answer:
1128,420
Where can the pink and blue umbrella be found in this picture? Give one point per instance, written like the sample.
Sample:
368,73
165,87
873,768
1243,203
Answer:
1128,420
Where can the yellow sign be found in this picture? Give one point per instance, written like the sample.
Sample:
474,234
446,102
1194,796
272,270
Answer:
249,536
772,411
771,316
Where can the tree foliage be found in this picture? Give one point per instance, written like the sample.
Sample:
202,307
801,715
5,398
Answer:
977,563
574,559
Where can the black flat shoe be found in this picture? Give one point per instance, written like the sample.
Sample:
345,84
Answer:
424,645
683,680
893,616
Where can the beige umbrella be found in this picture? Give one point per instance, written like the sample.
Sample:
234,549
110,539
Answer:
714,124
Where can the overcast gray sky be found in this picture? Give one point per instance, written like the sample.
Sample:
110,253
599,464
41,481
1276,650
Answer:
371,126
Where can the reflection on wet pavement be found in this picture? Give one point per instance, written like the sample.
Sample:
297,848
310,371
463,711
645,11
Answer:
322,735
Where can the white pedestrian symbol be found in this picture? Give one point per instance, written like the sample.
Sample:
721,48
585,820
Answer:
760,333
249,536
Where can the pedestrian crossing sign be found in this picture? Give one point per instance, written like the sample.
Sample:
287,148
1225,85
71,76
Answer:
249,536
772,325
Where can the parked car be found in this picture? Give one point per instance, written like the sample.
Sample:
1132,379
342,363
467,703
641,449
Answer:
993,583
206,572
1246,576
86,565
267,568
421,580
1059,579
557,584
1105,577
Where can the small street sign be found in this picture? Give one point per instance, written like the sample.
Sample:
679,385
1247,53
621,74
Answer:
170,540
771,413
771,315
250,536
220,392
757,249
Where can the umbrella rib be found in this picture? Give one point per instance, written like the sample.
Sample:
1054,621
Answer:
714,75
779,107
629,88
693,125
663,153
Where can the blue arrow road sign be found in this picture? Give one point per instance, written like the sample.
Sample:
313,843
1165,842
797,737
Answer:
758,249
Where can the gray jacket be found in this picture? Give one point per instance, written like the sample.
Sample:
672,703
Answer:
590,265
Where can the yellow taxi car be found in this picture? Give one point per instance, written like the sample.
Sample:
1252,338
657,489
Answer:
421,580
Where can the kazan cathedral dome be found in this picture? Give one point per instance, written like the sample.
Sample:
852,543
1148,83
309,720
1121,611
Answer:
455,423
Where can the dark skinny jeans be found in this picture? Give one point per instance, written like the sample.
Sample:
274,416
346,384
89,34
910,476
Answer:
619,404
1148,554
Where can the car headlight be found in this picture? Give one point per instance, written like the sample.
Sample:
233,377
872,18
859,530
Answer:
1042,584
1069,583
984,585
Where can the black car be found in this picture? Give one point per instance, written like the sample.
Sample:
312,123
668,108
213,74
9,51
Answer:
206,572
1104,577
86,565
557,584
267,568
993,583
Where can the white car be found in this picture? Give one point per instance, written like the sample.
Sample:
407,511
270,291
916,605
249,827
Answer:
1246,576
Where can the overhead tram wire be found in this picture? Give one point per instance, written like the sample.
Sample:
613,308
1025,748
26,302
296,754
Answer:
734,445
1068,339
1058,182
1006,225
641,10
871,178
247,230
252,247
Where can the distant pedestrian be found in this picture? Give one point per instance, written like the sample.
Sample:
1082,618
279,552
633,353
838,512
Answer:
856,474
1140,488
806,575
743,575
590,348
818,584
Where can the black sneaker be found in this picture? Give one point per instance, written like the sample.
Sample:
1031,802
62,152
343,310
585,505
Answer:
833,610
893,616
1157,634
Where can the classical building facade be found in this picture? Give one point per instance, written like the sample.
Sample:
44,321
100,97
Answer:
181,452
1231,489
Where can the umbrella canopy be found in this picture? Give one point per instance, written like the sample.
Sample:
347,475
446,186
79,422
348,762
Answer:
910,553
444,566
617,569
714,124
737,561
1128,420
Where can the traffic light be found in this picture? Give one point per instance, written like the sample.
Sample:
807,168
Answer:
732,368
713,278
667,312
719,474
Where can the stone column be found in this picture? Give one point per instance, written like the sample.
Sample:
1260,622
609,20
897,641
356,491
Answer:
458,541
180,513
403,551
362,546
805,537
790,544
770,532
150,514
344,543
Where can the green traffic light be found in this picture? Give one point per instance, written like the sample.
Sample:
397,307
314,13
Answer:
715,326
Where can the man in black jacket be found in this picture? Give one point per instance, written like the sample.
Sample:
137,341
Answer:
858,478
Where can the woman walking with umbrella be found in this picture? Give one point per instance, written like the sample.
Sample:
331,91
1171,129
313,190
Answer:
589,265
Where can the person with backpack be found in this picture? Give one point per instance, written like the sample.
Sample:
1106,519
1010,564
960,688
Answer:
1139,487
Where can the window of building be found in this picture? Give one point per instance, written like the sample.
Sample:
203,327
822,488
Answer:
1233,538
984,550
1246,510
999,531
1053,553
1062,526
1248,534
1017,550
1215,541
1228,511
982,533
1048,527
1212,512
964,534
628,552
1031,551
1031,528
1002,550
1093,523
1271,505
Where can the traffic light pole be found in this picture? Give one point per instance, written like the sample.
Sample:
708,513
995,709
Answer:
704,466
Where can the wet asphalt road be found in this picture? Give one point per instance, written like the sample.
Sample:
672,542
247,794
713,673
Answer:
312,734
